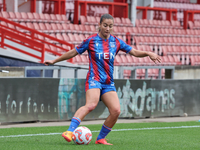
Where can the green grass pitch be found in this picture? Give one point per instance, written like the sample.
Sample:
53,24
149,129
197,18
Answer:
135,136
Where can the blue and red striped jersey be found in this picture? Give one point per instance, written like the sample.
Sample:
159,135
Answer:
101,53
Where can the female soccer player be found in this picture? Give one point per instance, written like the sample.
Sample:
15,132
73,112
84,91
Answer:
102,49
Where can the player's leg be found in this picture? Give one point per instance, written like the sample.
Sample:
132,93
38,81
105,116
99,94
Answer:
92,99
111,100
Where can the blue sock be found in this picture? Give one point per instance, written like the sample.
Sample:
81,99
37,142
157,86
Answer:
74,124
104,132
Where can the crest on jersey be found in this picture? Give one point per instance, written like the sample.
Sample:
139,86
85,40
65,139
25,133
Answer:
112,44
97,44
92,83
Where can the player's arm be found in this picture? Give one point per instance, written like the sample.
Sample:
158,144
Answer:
65,56
137,53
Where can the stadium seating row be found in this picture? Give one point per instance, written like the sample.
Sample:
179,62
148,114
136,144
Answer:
159,32
56,27
175,1
194,60
180,50
178,41
188,55
195,25
158,23
34,17
117,30
178,6
152,73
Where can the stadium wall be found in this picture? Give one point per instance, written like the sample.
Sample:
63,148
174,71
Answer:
45,99
187,72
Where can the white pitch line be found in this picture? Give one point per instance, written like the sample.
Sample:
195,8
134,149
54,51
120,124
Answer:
136,129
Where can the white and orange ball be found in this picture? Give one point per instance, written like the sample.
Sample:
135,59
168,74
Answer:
82,136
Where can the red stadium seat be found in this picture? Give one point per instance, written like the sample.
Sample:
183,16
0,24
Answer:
135,31
84,59
11,26
49,27
36,26
64,18
124,60
127,74
88,30
65,27
93,29
65,37
71,38
116,31
77,28
54,27
117,61
60,27
82,37
53,48
42,17
117,21
59,36
24,16
47,18
53,18
37,17
77,38
190,25
59,18
82,28
94,21
31,17
82,19
3,23
42,27
5,14
129,60
11,15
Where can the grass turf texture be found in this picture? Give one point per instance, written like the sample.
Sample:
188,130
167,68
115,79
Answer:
166,139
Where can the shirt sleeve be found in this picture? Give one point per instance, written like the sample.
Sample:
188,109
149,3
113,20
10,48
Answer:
124,47
81,48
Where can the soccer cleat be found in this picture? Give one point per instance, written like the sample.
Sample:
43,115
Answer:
102,141
67,135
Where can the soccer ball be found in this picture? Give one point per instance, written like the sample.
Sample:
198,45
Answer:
82,136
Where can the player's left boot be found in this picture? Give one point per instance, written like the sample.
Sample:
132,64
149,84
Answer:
102,141
67,135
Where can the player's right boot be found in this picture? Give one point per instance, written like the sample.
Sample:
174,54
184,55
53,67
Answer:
67,135
102,141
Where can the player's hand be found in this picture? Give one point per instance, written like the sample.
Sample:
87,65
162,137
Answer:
154,57
49,62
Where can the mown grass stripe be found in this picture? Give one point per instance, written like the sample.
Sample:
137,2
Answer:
116,130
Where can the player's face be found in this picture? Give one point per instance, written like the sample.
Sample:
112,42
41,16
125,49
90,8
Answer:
106,27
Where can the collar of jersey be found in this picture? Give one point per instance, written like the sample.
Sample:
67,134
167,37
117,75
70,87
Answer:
104,39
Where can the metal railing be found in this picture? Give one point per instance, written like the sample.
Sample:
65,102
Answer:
120,73
59,68
134,71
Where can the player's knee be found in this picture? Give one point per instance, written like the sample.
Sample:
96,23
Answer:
115,112
91,106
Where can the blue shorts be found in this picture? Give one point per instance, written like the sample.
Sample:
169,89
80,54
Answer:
91,84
